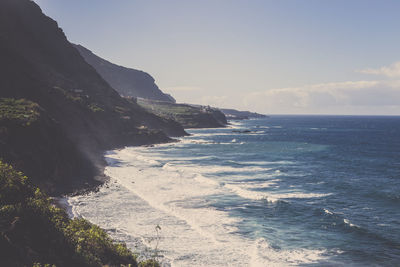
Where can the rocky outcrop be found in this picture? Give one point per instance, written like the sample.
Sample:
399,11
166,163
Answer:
189,116
233,114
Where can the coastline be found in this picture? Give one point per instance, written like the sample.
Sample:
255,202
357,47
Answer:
92,185
143,242
103,179
311,192
107,181
146,191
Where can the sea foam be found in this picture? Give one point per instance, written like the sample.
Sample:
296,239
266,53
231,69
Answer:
144,192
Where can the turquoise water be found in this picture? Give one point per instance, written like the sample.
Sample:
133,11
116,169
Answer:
291,190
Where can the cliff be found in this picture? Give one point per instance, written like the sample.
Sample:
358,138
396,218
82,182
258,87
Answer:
128,82
80,114
32,141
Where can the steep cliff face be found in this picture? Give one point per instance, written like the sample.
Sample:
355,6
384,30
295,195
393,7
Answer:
39,64
32,141
128,82
219,116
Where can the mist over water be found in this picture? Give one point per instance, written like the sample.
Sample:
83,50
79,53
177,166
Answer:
311,190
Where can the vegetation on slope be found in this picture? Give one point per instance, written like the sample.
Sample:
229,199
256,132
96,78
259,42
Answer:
188,116
233,114
33,231
22,111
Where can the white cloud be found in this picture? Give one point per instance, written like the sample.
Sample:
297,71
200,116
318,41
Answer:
348,97
338,98
389,71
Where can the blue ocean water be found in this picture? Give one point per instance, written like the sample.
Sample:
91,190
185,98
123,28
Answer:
317,190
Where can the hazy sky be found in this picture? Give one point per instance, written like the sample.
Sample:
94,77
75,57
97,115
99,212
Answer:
276,57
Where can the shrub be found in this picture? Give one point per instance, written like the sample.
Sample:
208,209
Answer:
33,230
95,108
149,263
69,94
22,111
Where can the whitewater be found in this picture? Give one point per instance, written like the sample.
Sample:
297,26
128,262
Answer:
224,198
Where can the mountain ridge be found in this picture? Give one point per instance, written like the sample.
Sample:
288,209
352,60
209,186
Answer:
127,81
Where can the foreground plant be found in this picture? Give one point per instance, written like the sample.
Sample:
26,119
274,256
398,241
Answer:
33,232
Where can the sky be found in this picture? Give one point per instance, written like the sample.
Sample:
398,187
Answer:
273,57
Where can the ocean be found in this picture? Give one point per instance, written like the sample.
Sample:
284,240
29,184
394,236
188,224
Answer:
279,191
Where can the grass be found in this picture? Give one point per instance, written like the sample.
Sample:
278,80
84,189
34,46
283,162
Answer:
165,108
186,115
22,111
79,98
69,94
